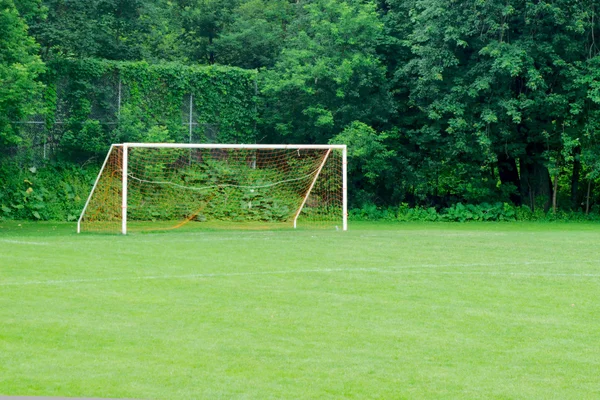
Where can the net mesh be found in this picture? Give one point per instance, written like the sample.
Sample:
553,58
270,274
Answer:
171,187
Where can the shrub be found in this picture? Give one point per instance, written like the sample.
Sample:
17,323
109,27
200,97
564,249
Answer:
467,212
405,213
53,192
481,212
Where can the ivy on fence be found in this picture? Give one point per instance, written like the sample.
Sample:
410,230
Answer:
92,103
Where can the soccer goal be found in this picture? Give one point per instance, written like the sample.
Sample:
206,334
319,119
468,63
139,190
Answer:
151,186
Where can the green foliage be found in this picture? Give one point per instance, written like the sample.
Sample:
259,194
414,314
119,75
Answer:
328,74
152,99
490,81
370,212
254,205
233,32
31,10
54,192
107,29
87,136
484,212
221,198
440,102
369,160
406,213
202,21
367,155
19,71
256,35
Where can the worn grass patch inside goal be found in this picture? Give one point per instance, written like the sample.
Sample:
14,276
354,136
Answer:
380,311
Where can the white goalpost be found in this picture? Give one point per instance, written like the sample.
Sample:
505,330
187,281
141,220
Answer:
167,185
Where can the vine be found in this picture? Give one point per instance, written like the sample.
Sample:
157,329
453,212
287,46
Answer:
92,103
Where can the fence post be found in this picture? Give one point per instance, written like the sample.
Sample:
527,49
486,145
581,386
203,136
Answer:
191,114
119,98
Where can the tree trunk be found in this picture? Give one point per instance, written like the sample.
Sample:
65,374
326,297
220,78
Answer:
587,200
535,178
211,53
575,179
554,191
509,175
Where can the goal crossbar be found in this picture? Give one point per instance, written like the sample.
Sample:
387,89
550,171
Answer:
238,146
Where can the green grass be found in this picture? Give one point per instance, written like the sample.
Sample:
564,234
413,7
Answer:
381,311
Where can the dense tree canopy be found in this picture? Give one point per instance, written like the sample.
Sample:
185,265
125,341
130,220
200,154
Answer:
498,88
328,74
442,101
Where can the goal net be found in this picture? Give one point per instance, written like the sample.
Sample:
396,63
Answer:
144,186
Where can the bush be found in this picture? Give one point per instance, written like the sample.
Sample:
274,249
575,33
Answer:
481,212
54,192
371,212
466,212
405,213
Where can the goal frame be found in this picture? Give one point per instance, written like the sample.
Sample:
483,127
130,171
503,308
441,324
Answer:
127,146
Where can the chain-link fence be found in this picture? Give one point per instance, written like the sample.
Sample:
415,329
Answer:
41,139
99,110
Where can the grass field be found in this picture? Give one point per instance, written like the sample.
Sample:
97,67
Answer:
463,311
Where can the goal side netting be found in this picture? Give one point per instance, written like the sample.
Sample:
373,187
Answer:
166,186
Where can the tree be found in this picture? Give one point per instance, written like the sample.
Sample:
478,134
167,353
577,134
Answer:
256,35
587,156
109,29
327,75
20,68
202,23
493,83
369,162
31,10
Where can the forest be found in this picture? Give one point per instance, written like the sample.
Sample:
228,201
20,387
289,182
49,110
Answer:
451,109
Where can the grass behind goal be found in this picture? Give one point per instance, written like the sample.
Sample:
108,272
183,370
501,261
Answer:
380,311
